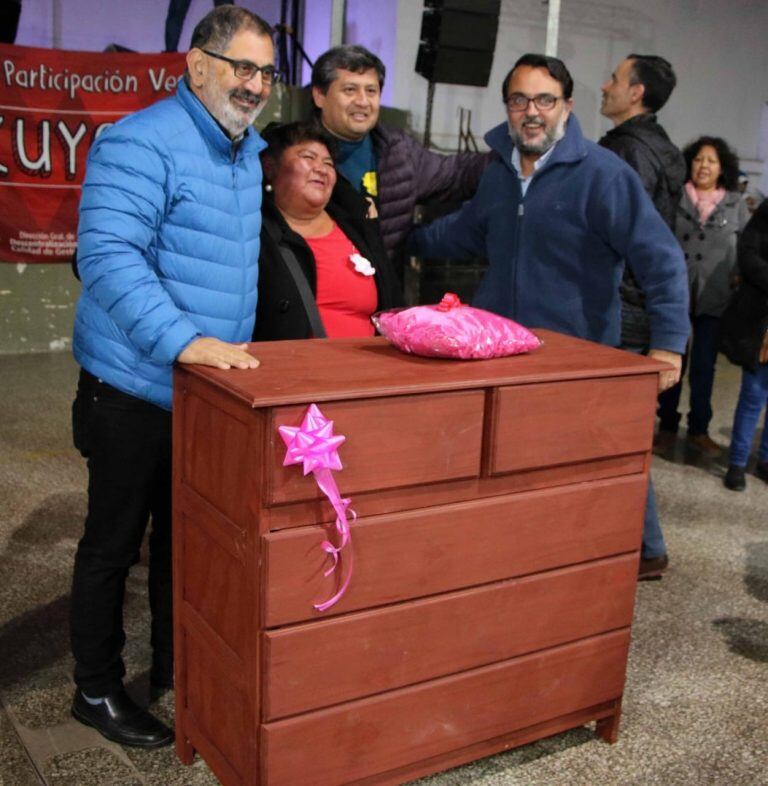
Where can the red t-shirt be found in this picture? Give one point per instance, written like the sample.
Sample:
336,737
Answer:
345,298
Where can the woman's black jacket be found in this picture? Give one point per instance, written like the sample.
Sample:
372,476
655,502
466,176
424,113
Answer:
745,320
280,313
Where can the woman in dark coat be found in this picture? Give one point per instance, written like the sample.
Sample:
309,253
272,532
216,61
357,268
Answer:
710,216
338,257
745,342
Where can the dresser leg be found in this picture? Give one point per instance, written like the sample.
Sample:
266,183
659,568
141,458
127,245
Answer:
184,749
608,728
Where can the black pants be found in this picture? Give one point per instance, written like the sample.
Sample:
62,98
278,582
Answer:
127,442
702,357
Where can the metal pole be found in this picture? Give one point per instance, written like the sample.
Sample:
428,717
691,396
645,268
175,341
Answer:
428,119
56,24
338,18
553,26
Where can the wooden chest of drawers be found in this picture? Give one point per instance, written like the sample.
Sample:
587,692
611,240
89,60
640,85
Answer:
500,507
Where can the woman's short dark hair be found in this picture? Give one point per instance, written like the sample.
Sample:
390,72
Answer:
729,161
349,57
217,28
554,67
656,75
280,136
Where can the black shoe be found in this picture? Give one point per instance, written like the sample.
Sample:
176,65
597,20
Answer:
734,479
664,441
652,568
121,720
761,470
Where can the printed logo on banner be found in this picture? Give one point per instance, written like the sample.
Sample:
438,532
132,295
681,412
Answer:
53,105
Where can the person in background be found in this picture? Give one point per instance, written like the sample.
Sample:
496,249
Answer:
558,217
750,198
168,243
638,88
174,21
323,269
744,340
386,164
710,216
10,13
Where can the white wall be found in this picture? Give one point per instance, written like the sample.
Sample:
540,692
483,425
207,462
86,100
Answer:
719,51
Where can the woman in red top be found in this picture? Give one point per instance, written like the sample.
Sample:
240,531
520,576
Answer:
317,228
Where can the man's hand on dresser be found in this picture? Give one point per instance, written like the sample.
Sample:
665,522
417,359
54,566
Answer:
668,378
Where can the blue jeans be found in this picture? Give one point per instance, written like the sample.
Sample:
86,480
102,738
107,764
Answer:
653,538
701,377
752,400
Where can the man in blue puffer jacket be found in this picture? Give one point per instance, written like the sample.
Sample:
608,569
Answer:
168,243
558,217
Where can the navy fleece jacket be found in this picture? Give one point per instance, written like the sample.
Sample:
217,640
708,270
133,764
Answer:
557,255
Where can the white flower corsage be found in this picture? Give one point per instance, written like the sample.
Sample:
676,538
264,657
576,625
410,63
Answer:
361,264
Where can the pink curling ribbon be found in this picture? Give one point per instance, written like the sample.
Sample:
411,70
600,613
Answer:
314,445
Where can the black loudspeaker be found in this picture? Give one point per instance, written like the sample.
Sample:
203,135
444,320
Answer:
458,38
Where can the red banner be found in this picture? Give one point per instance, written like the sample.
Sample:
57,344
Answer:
53,104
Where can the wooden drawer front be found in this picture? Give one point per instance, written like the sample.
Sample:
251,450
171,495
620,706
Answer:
400,441
352,741
565,422
319,664
424,552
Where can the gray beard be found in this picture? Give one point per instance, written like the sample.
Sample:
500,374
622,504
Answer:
551,135
222,108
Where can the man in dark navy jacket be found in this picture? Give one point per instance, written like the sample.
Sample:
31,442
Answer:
558,217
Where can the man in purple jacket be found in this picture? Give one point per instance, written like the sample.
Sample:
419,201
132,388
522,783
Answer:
385,163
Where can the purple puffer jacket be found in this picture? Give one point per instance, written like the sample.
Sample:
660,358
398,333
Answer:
408,173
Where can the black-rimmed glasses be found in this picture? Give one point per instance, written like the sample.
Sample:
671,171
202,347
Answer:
245,69
518,102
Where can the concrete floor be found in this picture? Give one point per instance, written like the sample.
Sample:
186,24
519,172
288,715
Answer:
696,705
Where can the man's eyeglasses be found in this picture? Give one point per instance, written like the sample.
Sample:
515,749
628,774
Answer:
518,102
245,69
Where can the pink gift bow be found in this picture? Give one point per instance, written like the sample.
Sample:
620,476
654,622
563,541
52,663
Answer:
314,445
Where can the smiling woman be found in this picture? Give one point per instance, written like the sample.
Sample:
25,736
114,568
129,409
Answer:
323,270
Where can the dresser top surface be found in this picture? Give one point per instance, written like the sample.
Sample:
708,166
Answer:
293,372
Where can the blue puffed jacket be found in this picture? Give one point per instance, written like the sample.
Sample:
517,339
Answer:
556,256
168,243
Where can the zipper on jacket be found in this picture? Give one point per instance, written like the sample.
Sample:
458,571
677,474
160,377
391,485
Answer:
518,232
243,261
